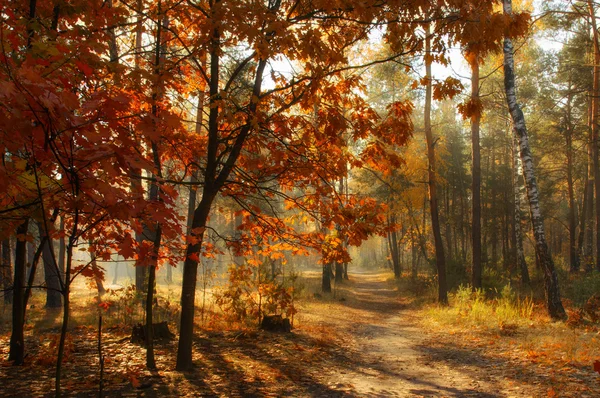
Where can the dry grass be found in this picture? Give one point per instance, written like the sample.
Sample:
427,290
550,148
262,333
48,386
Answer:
515,328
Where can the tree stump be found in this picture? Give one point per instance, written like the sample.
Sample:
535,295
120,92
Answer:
160,331
276,323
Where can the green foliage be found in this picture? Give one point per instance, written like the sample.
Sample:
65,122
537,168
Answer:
495,280
578,288
510,307
424,286
456,273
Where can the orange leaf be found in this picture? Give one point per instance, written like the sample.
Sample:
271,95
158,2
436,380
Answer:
135,382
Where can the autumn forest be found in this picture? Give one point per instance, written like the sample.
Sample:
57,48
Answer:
325,198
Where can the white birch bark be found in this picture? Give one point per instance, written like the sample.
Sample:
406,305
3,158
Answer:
553,301
521,263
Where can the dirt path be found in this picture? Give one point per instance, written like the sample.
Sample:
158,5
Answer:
394,356
363,341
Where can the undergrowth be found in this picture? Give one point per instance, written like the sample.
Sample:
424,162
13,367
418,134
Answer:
516,325
472,308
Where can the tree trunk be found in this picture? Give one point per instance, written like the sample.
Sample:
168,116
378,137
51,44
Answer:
188,288
192,196
518,234
433,200
393,245
98,278
396,254
343,266
215,176
61,249
160,49
73,237
553,300
476,182
448,229
339,272
582,223
594,123
346,277
326,279
573,257
200,216
588,250
506,234
136,181
413,258
390,257
7,280
493,216
51,272
30,255
17,342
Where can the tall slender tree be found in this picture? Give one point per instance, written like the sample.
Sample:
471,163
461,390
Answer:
17,340
518,232
6,271
553,300
595,98
476,176
440,259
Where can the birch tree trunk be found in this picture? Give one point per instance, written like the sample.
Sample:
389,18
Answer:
518,233
553,301
433,200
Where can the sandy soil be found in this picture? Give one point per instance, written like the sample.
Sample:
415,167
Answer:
394,356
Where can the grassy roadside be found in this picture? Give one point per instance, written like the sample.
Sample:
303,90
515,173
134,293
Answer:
505,325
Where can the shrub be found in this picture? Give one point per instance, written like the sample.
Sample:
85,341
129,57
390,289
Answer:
251,293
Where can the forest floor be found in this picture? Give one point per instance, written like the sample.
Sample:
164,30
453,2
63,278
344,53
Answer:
366,340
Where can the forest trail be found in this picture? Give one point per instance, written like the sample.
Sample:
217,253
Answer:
393,355
366,339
